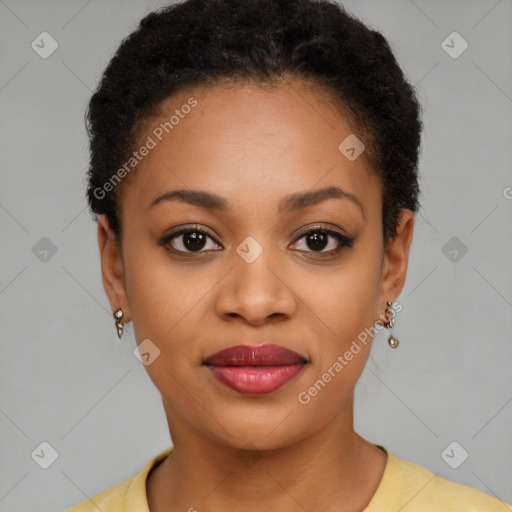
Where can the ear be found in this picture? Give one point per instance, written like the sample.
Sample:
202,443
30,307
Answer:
112,268
396,257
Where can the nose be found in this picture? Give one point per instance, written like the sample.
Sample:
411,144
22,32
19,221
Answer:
258,292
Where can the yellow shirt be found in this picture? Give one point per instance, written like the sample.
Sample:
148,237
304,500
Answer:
404,487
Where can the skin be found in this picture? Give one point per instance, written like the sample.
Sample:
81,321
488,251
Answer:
253,146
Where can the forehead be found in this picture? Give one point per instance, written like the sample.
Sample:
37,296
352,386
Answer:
243,141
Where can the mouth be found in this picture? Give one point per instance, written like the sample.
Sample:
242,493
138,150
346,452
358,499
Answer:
255,370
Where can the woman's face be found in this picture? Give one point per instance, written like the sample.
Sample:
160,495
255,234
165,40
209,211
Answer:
255,277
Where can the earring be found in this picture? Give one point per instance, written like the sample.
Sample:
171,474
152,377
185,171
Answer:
390,314
118,315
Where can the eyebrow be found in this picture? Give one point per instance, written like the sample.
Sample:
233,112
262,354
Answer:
290,203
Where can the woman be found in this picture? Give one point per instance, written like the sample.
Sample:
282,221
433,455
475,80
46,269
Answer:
254,176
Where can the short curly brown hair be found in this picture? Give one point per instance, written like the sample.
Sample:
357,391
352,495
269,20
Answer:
203,42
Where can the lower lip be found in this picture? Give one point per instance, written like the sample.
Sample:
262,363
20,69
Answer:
255,380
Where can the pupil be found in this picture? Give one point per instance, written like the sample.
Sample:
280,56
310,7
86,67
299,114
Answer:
319,241
194,241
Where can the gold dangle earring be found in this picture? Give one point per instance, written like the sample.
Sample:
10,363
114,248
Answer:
390,314
118,316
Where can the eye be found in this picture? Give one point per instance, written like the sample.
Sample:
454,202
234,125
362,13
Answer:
317,239
188,239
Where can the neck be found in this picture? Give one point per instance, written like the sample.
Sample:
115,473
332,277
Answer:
205,474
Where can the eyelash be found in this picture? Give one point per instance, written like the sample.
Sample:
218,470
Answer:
344,242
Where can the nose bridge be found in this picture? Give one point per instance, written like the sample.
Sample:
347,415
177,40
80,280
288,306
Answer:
255,290
252,267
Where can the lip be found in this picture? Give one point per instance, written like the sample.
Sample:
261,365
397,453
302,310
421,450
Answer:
269,354
255,370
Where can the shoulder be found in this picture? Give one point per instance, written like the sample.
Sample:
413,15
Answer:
127,496
111,500
421,490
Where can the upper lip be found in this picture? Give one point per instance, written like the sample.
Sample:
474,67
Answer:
269,354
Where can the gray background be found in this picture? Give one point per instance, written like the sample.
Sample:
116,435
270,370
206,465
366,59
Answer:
66,380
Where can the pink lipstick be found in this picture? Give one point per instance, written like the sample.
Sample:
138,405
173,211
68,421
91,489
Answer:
255,370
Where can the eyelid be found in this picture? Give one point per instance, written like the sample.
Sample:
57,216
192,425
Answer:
185,228
321,226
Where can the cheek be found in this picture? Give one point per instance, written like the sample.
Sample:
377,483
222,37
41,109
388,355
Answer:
346,303
169,305
164,310
346,309
160,294
338,361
